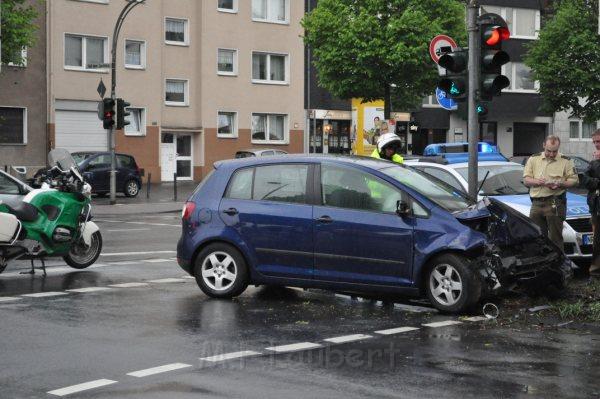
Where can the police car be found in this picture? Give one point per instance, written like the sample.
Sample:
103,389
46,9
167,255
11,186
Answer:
449,162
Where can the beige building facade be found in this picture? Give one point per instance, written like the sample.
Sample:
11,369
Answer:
204,79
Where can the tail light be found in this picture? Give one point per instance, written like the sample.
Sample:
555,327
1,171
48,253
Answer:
188,210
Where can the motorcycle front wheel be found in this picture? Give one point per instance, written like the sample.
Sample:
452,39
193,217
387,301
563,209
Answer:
81,256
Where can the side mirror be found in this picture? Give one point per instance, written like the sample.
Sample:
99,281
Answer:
403,209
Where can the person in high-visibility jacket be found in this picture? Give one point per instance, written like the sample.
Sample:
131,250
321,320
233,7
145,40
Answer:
388,146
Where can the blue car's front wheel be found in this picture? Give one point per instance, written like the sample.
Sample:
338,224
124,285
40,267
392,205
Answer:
450,283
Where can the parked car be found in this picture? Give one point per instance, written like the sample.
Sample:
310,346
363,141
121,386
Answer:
11,188
505,182
96,170
357,224
259,153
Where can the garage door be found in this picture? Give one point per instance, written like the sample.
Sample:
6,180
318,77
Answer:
80,131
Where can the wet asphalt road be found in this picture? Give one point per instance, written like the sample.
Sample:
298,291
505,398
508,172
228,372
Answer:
114,338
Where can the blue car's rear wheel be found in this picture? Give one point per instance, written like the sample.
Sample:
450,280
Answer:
221,271
451,285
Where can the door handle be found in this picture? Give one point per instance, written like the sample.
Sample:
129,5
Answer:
231,211
325,219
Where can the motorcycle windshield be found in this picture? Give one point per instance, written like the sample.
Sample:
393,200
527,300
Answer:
61,158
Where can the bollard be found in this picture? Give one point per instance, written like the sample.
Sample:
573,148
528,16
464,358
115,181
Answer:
175,186
148,185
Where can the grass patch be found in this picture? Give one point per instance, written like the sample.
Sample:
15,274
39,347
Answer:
568,310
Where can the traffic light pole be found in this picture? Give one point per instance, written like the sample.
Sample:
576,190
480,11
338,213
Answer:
474,73
113,94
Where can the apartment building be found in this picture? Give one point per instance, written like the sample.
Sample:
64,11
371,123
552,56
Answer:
23,104
204,79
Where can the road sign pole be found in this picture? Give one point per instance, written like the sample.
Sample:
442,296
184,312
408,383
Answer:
473,122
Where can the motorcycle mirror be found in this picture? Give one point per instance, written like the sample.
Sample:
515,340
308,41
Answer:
76,173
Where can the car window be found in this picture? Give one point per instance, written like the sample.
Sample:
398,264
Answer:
240,186
267,153
7,186
580,164
244,154
442,194
355,189
281,183
280,152
125,162
100,160
501,179
443,175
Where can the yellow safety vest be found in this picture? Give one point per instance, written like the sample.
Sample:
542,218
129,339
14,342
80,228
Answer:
395,158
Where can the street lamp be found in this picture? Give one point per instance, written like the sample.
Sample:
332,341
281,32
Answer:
131,4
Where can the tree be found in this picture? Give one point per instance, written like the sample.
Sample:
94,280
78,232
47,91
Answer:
566,60
379,49
18,29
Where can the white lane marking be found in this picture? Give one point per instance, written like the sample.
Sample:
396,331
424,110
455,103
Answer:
45,294
139,223
398,330
229,356
167,280
156,260
125,230
81,387
89,289
188,277
343,296
138,253
9,299
442,323
414,309
294,347
129,285
476,319
348,338
124,262
159,369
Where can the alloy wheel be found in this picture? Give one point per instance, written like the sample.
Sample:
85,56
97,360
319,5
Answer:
219,271
132,188
445,284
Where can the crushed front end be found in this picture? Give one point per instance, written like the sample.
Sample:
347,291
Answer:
517,255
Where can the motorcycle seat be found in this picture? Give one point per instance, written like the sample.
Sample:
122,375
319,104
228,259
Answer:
24,211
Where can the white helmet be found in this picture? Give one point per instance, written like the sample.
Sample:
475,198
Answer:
387,140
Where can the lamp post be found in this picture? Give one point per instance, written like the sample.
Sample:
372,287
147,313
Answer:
131,4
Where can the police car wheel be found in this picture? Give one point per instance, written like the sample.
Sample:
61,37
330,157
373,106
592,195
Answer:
450,284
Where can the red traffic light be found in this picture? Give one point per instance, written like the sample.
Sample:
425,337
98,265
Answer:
495,35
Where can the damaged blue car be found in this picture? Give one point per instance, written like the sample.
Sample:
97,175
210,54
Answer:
358,225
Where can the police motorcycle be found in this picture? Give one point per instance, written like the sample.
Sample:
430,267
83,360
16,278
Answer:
52,221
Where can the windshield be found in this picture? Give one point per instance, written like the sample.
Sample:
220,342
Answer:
80,157
61,158
502,179
435,190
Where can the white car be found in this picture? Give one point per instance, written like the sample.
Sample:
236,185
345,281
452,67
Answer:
505,183
12,189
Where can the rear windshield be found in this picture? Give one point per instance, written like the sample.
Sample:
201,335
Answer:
244,154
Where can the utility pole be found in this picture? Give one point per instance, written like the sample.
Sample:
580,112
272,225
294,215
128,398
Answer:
131,4
474,72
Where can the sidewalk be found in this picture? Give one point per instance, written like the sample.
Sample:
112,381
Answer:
161,200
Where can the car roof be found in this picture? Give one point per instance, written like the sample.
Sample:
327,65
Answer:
260,150
368,162
460,165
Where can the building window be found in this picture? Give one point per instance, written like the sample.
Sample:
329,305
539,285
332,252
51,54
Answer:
523,23
176,92
582,130
274,11
135,54
431,102
13,125
227,5
269,68
269,128
587,129
519,75
574,129
227,62
137,122
176,31
85,52
227,124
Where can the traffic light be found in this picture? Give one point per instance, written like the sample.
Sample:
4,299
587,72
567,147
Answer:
454,83
494,31
482,110
108,112
122,112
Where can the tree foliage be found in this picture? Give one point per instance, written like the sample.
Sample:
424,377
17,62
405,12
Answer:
18,29
360,47
566,60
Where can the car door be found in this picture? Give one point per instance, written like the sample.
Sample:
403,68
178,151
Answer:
98,168
358,236
124,170
268,206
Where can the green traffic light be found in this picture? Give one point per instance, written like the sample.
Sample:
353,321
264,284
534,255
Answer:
454,90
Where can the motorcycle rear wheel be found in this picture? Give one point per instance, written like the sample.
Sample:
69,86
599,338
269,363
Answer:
81,256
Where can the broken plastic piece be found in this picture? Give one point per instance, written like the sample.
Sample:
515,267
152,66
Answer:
539,308
491,311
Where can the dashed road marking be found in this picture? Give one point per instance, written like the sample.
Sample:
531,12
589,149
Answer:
81,387
159,369
129,285
139,223
125,230
167,280
415,309
229,356
476,318
398,330
294,347
138,253
9,299
442,323
348,338
188,277
124,262
156,260
89,289
45,294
